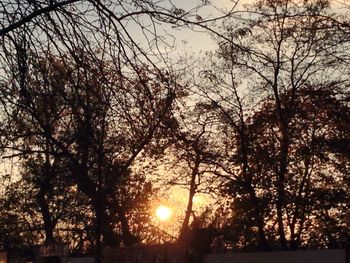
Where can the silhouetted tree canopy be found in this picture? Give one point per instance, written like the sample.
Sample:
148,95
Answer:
92,107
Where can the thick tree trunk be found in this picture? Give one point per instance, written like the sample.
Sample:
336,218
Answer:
103,228
45,188
98,229
46,215
258,210
103,224
282,170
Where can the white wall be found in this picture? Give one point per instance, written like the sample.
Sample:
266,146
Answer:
81,260
305,256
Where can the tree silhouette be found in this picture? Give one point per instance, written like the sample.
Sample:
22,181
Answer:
265,65
96,123
91,107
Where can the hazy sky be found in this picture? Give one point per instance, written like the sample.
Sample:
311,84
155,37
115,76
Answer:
196,40
187,40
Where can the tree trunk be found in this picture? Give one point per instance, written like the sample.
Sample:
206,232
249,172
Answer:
283,163
103,223
263,242
126,233
186,221
46,215
45,188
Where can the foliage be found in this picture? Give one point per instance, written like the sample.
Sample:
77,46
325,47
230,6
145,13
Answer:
89,113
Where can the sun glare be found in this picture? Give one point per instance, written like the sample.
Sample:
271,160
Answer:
163,213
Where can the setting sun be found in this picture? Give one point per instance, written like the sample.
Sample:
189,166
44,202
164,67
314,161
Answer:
163,213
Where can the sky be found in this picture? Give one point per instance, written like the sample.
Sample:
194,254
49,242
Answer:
184,39
190,41
199,40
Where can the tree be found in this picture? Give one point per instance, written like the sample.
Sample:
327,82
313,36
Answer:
19,217
49,189
191,155
42,209
135,196
99,127
101,124
314,178
267,62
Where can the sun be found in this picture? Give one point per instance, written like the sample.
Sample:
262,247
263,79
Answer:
163,213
